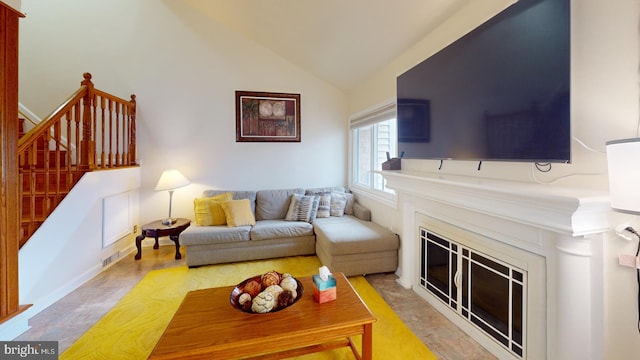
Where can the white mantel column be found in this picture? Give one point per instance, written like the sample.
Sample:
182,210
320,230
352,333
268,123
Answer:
576,290
408,246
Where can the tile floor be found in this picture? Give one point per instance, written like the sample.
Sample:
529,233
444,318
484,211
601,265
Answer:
67,319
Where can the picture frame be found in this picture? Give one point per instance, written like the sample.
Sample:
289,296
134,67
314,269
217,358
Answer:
267,117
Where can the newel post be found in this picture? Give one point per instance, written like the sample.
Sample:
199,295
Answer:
10,201
87,143
132,137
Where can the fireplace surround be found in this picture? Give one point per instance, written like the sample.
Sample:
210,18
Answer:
557,229
491,290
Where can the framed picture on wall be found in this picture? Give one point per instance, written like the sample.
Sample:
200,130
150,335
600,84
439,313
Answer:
267,117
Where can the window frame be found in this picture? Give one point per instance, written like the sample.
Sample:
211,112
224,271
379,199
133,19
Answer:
384,111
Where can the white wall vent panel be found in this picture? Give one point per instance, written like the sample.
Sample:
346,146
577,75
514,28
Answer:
116,218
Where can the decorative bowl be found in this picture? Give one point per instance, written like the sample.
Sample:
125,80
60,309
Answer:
249,285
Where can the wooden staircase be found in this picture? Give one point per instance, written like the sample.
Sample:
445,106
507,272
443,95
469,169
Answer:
92,130
42,190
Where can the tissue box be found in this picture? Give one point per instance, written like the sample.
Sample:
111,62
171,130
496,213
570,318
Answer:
324,291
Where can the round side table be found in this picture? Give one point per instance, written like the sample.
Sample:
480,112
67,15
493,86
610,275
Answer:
157,229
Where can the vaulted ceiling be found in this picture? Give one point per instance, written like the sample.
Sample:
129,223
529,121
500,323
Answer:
340,41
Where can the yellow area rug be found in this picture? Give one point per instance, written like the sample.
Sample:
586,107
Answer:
133,327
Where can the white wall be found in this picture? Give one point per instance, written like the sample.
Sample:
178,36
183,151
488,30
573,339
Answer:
605,99
16,4
184,69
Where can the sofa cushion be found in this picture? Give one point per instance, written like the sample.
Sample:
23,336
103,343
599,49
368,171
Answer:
273,204
361,212
324,205
338,203
208,210
302,208
273,229
348,207
238,212
349,235
237,195
196,235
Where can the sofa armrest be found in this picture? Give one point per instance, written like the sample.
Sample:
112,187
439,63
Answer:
361,212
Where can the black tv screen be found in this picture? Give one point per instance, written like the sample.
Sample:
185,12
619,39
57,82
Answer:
500,93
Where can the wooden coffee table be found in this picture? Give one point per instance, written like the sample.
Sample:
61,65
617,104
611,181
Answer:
206,326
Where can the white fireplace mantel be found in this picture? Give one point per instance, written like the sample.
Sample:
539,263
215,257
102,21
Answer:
564,224
567,210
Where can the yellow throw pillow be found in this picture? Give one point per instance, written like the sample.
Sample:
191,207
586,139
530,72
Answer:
238,212
208,210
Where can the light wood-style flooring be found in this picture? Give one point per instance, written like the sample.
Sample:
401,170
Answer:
66,320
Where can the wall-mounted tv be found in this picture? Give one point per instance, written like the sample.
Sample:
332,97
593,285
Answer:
499,93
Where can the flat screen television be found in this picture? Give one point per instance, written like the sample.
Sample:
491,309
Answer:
499,93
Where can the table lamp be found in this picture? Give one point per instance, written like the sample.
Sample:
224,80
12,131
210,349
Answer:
624,177
170,180
624,192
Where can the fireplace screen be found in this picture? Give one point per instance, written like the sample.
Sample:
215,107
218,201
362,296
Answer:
485,291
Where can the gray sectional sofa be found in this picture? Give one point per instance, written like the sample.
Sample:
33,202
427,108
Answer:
346,242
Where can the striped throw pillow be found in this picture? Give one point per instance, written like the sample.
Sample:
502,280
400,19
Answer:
302,208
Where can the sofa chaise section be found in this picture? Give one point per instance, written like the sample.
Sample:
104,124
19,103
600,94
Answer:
354,246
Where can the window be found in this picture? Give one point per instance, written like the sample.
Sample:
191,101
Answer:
373,136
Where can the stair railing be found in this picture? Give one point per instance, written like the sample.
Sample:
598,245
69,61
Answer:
27,117
92,130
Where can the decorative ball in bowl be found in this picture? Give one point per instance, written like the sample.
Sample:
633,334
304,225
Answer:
266,293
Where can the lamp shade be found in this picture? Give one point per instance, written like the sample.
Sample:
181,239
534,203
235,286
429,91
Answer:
623,157
171,179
